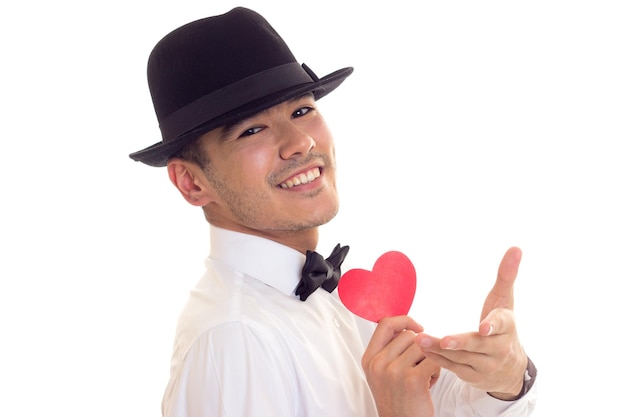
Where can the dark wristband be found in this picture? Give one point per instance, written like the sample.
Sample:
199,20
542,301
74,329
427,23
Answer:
529,379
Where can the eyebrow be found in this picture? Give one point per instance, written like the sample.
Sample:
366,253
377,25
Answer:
229,128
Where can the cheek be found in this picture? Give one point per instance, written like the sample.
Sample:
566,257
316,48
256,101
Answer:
324,143
252,166
256,164
323,136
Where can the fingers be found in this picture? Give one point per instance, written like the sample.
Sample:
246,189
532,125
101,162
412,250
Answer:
398,372
497,321
494,364
500,321
429,371
453,353
401,391
392,349
401,352
501,294
507,271
387,330
491,360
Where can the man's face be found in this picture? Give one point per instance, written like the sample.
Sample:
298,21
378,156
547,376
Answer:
274,172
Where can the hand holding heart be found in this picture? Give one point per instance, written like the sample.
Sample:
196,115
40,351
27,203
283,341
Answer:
491,359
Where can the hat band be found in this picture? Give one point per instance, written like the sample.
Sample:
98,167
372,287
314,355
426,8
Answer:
232,96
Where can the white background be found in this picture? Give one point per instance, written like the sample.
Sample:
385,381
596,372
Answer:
466,128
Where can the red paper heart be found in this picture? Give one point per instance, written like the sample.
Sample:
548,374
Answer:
388,290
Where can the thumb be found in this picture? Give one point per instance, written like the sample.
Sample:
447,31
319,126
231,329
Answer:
501,295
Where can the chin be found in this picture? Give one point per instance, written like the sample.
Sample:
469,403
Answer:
326,216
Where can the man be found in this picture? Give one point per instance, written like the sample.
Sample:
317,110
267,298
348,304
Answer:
243,139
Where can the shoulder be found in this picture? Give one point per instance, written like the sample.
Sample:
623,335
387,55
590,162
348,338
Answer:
226,364
239,339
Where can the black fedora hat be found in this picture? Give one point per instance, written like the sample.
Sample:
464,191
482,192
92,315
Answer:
218,70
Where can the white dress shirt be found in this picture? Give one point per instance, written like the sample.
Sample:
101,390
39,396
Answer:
246,346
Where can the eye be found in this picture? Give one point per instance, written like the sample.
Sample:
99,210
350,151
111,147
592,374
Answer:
251,131
301,111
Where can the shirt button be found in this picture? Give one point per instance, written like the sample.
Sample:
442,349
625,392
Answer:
336,322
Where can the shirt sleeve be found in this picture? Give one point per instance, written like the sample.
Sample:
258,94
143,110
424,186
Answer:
453,397
232,371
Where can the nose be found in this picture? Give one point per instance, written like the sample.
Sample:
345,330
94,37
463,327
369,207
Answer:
294,141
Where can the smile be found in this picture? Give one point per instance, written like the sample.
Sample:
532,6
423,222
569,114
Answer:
303,178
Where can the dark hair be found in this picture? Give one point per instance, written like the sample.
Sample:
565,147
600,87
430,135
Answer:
193,152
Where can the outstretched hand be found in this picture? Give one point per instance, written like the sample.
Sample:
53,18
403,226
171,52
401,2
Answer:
491,359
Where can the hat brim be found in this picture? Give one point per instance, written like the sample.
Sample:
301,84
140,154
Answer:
159,154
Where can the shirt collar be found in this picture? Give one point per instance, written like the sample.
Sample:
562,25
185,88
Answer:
270,262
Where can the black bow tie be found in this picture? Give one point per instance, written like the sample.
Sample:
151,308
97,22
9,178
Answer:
318,271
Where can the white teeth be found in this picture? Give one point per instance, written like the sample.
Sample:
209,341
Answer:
303,178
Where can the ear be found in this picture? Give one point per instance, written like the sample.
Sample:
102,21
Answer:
190,181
